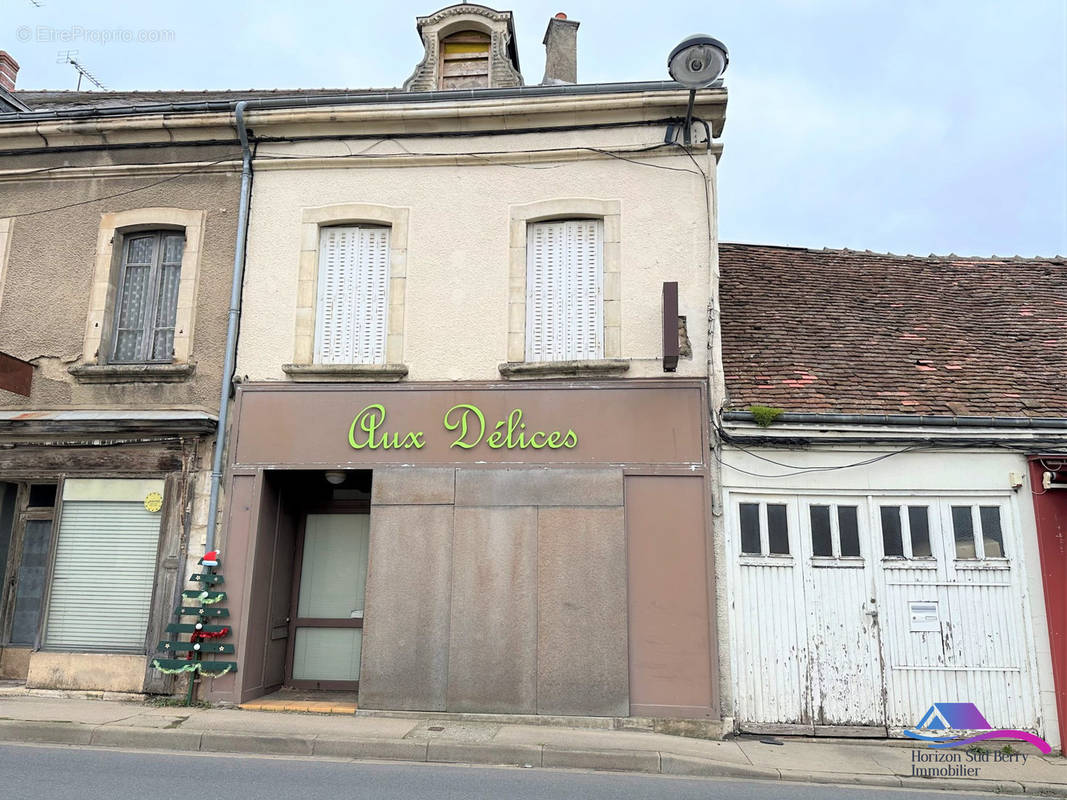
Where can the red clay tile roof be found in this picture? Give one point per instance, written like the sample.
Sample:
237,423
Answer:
843,331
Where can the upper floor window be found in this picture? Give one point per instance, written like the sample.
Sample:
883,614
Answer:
465,60
147,303
352,298
564,290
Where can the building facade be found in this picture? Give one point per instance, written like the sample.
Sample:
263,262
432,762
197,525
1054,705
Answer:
459,385
115,263
882,418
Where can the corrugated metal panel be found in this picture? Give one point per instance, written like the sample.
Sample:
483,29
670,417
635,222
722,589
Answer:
353,295
104,572
564,290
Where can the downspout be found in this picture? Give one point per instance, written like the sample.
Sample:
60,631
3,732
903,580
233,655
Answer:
231,327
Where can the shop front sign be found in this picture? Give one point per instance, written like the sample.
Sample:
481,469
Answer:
466,426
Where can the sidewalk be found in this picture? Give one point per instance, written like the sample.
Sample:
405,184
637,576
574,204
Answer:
73,720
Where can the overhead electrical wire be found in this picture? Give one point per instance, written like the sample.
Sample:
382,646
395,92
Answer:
119,194
613,154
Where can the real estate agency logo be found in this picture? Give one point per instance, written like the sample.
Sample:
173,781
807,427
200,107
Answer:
965,726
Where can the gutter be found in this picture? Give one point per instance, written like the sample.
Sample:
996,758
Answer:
350,98
232,323
908,420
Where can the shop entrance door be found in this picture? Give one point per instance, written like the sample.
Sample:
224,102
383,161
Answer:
326,630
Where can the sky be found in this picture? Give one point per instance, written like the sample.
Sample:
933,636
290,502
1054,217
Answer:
904,126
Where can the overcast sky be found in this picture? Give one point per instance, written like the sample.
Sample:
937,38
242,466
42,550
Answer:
909,126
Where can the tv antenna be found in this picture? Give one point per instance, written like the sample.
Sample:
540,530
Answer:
70,57
37,3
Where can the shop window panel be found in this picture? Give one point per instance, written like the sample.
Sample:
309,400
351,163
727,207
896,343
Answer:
8,491
42,495
777,530
963,532
29,591
919,523
750,528
992,535
892,540
821,539
848,530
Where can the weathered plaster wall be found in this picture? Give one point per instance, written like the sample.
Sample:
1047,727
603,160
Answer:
457,258
90,671
46,287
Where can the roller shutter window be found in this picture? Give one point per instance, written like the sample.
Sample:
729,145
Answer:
353,295
102,580
564,290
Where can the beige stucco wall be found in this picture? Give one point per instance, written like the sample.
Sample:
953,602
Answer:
48,281
458,237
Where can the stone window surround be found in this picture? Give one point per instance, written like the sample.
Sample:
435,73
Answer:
102,297
5,241
311,221
610,211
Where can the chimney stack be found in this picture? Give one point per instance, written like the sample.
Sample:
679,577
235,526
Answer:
561,51
9,70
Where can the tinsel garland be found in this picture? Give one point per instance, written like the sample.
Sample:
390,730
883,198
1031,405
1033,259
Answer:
193,666
197,635
190,667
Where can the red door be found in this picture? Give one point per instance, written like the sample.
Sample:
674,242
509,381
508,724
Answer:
1050,509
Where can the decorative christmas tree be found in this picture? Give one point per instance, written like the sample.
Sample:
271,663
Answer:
202,633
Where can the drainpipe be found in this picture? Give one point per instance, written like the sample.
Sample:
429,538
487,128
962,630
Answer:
229,365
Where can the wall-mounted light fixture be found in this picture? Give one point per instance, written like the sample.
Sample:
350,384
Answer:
696,63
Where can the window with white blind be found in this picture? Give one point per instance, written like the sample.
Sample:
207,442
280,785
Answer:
147,303
564,290
353,295
105,566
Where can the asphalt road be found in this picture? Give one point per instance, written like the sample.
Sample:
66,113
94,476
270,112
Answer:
75,773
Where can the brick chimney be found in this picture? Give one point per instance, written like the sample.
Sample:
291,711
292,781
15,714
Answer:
561,51
9,70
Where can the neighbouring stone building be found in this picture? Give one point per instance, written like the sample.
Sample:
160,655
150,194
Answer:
115,263
894,450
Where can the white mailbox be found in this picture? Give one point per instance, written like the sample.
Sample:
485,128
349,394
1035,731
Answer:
924,616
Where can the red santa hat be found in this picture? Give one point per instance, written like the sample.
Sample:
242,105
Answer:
211,559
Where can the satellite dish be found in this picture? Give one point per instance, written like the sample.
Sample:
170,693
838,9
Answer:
698,61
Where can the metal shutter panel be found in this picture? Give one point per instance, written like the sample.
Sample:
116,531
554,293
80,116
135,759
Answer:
564,277
353,295
105,569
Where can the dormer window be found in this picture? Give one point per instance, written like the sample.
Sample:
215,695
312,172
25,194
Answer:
465,61
466,46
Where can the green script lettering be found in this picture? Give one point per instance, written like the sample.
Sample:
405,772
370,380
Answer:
452,424
368,421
